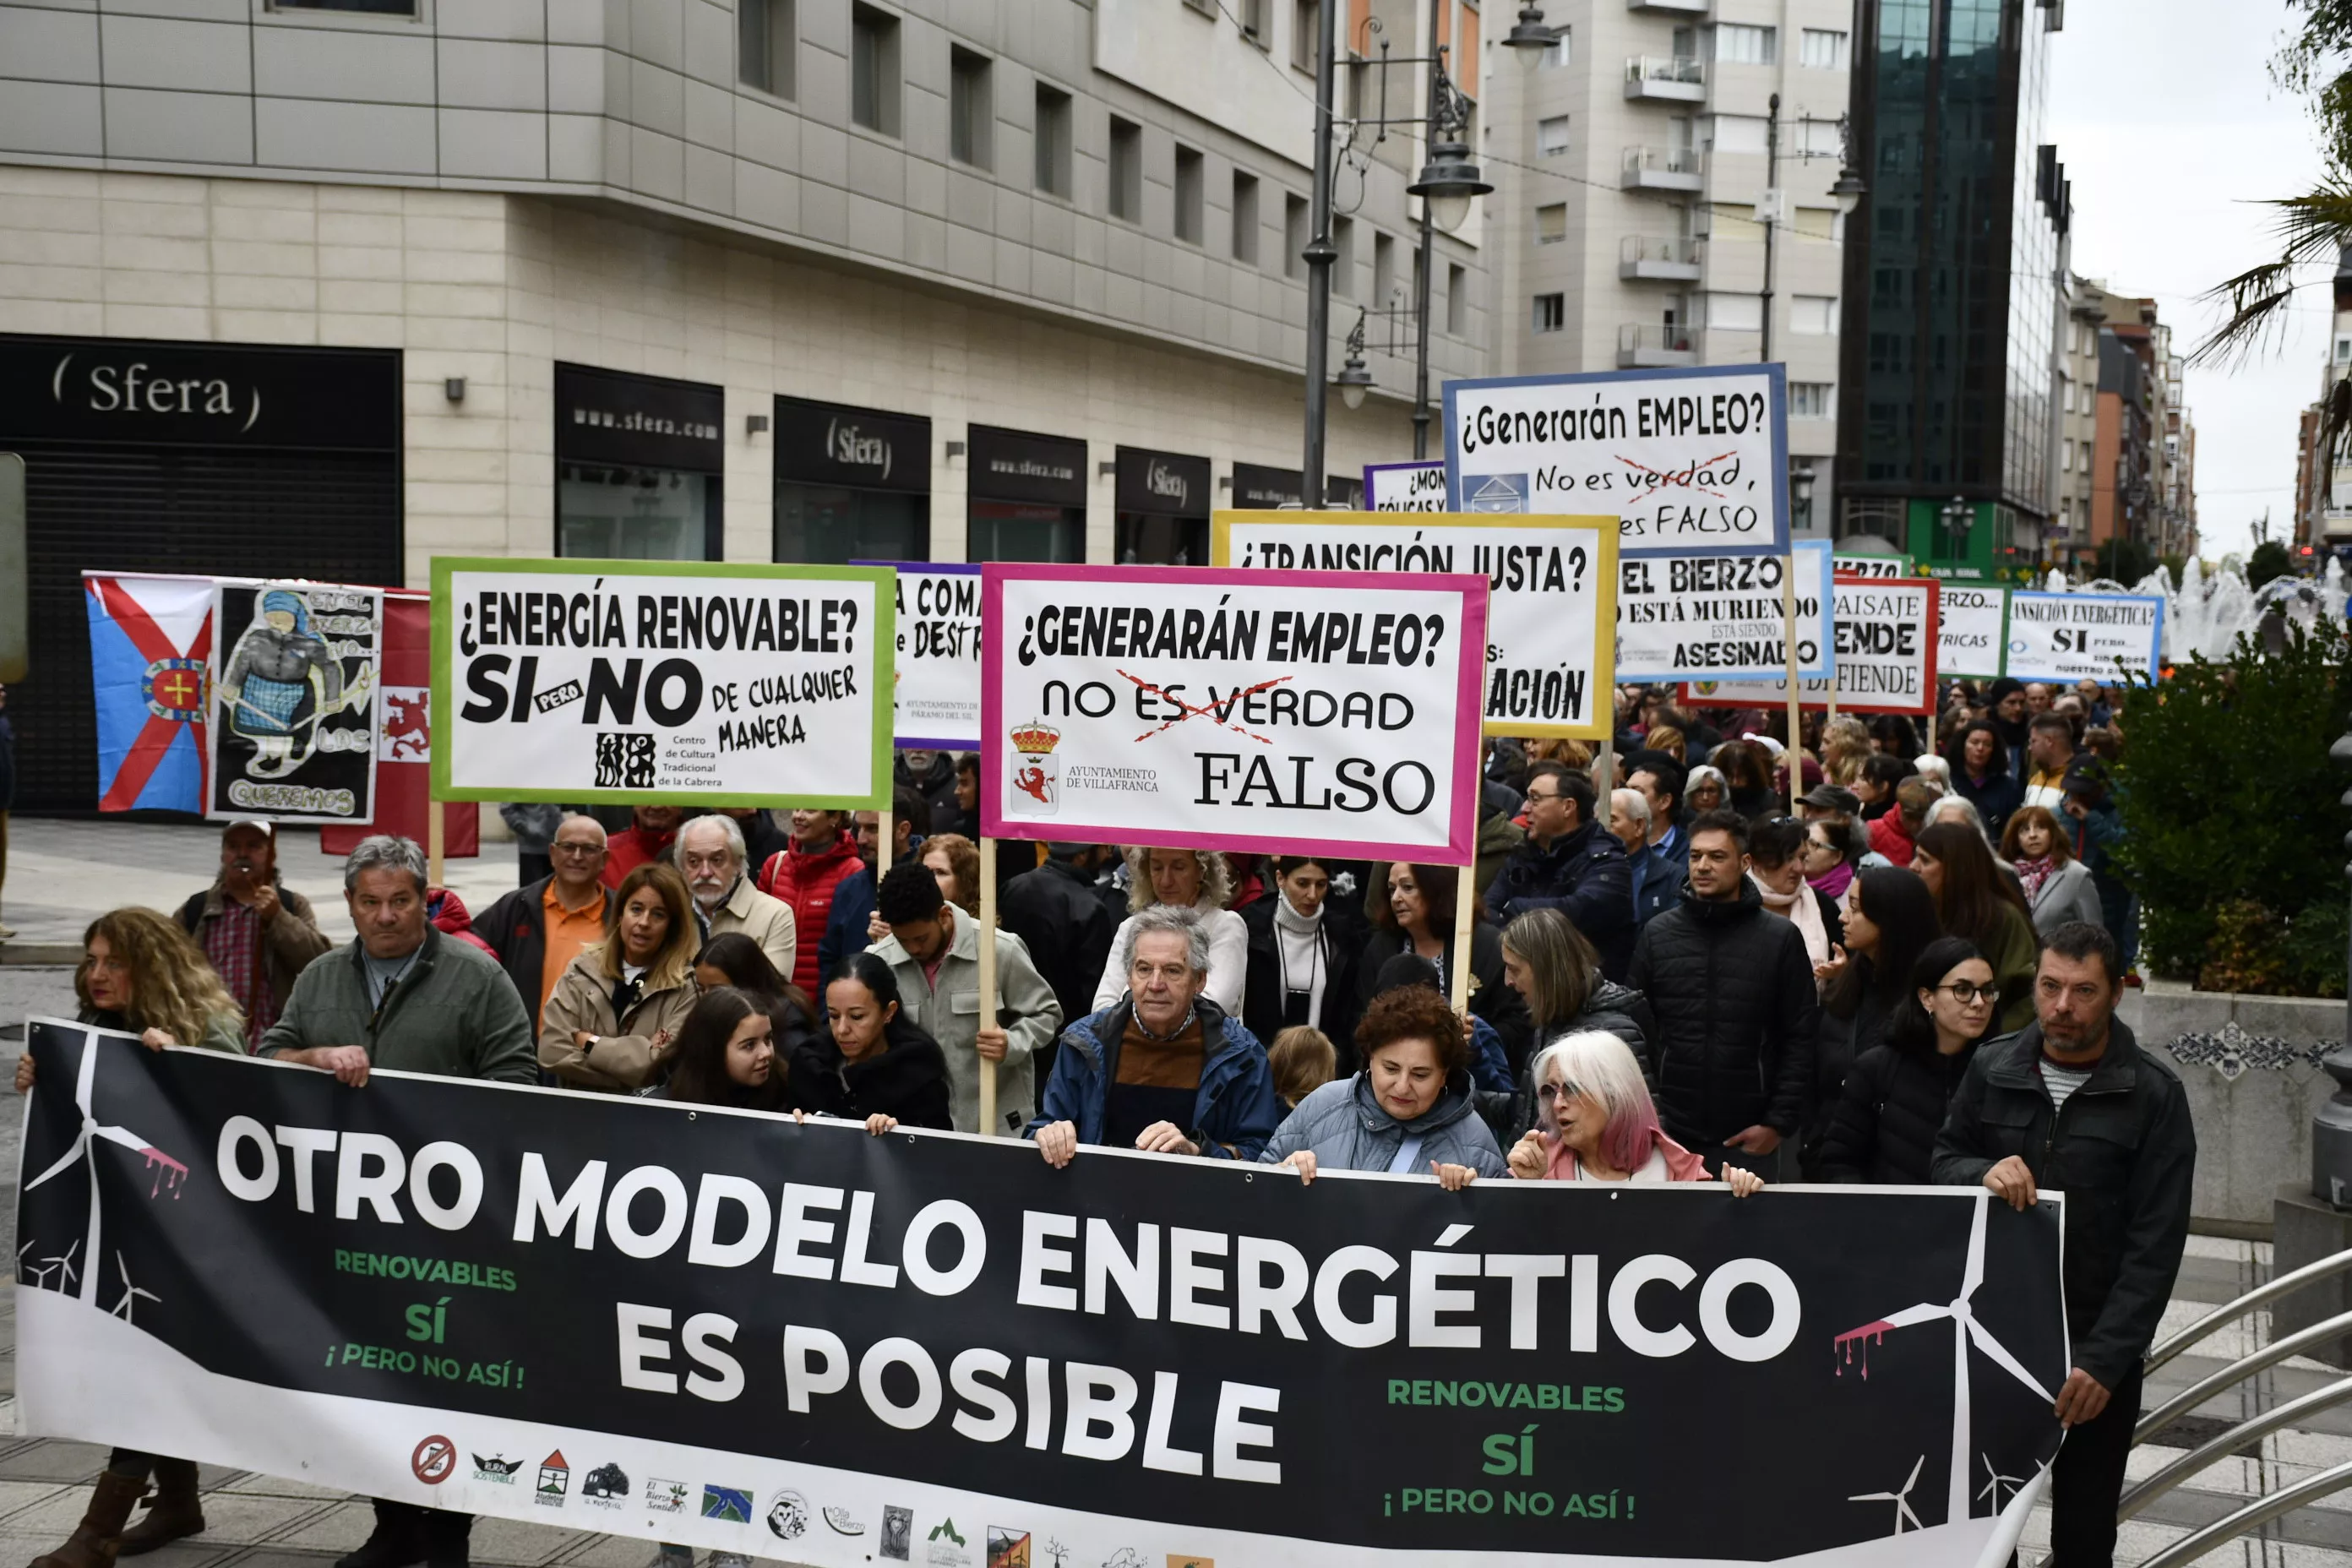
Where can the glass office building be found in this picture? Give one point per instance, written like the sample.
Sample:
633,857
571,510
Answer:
1952,275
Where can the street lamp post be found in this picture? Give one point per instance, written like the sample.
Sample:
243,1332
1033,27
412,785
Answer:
1318,255
1846,191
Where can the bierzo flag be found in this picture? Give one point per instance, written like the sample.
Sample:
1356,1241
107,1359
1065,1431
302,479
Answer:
714,1328
151,641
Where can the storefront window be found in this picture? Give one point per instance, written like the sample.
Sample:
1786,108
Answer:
1163,510
1028,497
630,514
852,484
834,524
637,465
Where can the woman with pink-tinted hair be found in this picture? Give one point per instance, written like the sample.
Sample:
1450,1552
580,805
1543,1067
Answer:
1599,1123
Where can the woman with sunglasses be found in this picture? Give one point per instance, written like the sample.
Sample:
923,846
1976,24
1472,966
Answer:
1599,1125
1883,1132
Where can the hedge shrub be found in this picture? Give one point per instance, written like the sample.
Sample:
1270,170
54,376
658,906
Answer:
2233,822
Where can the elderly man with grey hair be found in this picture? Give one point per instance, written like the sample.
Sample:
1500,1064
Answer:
710,856
404,997
1163,1068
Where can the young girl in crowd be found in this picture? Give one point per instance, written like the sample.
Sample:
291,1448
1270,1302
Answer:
1302,1060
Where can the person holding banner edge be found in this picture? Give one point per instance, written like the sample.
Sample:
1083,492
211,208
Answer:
1163,1069
1412,1104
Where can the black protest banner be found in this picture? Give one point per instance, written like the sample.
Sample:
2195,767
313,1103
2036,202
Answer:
295,678
722,1329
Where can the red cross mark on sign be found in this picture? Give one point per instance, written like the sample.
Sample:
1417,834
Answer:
1207,710
1664,478
155,737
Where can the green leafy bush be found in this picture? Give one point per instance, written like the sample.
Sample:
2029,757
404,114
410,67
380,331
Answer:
2233,830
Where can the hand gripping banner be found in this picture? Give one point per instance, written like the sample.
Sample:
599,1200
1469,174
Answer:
721,1330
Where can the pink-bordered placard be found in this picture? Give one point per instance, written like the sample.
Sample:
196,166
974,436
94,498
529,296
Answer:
1461,831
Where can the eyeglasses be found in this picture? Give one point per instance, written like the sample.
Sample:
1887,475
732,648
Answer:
1965,992
575,848
1552,1091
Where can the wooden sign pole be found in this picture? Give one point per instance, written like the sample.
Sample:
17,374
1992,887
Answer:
1793,758
988,1009
885,833
435,840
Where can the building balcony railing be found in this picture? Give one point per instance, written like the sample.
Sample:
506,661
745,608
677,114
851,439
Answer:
1663,169
1640,346
1671,261
1676,79
1675,7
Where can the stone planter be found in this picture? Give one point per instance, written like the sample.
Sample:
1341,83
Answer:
2251,1065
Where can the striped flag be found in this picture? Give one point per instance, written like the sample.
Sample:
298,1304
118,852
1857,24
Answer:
151,651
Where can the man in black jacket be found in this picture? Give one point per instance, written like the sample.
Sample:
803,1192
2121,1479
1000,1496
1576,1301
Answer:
2072,1102
1054,910
1570,862
1738,1015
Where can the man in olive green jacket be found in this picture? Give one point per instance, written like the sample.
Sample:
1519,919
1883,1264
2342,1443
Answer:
405,998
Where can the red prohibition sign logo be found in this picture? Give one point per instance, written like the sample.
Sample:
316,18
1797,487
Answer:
432,1460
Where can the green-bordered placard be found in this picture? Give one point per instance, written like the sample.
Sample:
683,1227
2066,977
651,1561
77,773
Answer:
624,682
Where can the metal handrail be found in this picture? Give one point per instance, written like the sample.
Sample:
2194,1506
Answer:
2237,1372
2263,1295
2230,1442
2254,1516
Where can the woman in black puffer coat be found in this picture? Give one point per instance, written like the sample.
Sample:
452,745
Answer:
1883,1131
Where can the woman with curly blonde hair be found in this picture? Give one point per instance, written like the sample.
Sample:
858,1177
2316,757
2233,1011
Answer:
955,861
1198,877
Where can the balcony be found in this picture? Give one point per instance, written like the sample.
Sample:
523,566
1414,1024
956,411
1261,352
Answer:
1663,260
1665,78
1672,8
1663,169
1640,347
2336,525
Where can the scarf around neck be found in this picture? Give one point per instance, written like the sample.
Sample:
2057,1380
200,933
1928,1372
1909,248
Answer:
1299,946
1800,910
2033,873
1833,883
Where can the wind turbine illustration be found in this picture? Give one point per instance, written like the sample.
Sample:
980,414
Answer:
92,1129
1901,1499
1995,1480
1966,1330
65,1264
123,1308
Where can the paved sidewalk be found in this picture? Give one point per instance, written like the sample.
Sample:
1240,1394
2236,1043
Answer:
63,873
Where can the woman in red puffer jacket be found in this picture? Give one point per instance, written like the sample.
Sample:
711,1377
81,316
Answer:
821,856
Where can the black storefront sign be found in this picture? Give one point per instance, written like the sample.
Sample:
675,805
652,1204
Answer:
1162,484
1261,489
639,421
1011,464
213,460
852,484
213,395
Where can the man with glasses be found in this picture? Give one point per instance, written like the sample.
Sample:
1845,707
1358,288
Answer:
2072,1103
1570,863
540,928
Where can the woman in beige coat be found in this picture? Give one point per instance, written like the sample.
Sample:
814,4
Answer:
615,1012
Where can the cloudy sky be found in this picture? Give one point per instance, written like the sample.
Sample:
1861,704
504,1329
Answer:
2165,115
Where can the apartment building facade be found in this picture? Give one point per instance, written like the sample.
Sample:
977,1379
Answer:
330,286
1641,170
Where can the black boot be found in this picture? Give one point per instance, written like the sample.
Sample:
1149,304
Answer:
397,1540
174,1513
446,1538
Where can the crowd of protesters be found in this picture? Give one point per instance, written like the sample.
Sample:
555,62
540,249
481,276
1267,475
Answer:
1671,976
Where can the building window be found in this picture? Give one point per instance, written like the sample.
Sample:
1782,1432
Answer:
2344,351
1294,237
1559,55
1246,218
1051,140
1191,198
1458,300
1126,170
2066,457
969,108
1306,33
1737,133
1551,136
874,69
1205,7
764,37
1821,49
1552,312
1253,19
1735,312
1551,223
1738,45
1343,264
1812,400
1383,271
1812,315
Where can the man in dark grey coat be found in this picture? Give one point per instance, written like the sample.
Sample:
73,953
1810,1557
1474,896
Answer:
1739,1018
2070,1102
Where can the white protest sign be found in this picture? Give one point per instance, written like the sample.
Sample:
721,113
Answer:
1298,712
1691,460
2077,636
1972,634
1404,487
1885,655
1719,616
1871,565
619,681
1550,590
937,697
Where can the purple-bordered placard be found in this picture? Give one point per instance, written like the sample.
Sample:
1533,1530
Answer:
1431,499
906,624
1469,590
